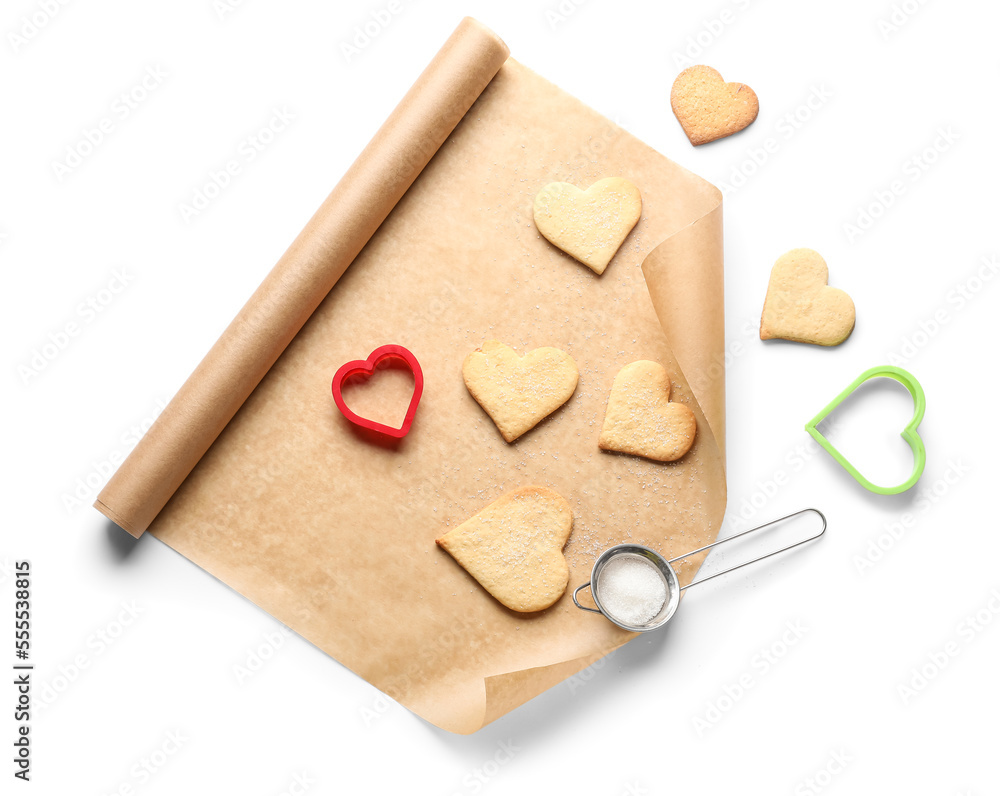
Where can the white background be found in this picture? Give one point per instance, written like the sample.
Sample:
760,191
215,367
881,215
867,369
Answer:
637,722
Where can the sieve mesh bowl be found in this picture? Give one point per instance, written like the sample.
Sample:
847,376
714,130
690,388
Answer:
663,567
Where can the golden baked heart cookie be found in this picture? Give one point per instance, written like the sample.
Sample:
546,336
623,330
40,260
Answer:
708,107
518,392
513,547
642,420
589,225
800,306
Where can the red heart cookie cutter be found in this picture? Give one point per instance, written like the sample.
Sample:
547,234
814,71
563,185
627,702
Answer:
366,368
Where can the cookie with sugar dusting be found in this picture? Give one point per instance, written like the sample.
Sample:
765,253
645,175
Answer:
589,225
518,392
513,547
642,420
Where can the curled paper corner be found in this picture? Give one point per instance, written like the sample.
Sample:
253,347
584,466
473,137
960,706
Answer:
689,304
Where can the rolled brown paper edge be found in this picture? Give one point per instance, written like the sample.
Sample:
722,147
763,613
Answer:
305,274
684,275
112,515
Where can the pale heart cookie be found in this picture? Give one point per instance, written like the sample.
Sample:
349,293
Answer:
642,420
513,547
708,107
800,306
589,225
518,392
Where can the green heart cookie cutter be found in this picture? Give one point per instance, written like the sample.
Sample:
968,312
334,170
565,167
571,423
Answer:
909,433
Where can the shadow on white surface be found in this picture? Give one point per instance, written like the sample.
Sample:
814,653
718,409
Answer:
119,541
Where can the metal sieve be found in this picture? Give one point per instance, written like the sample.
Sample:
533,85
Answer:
669,575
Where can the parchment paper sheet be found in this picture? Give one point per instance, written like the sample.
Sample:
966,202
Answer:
332,533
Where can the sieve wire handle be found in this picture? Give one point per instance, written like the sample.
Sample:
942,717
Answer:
744,533
576,591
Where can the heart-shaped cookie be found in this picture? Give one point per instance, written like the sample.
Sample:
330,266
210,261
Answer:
589,225
708,107
518,392
800,306
642,420
513,547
